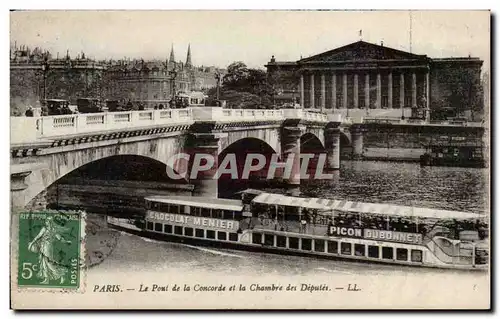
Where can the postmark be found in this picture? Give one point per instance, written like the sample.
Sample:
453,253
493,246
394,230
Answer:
50,250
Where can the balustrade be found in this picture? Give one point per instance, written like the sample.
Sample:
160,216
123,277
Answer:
61,125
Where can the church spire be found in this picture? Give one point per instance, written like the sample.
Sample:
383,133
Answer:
188,58
172,56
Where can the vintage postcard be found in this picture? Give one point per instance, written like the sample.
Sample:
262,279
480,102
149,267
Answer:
250,160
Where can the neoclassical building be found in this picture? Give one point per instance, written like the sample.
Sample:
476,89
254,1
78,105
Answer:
371,77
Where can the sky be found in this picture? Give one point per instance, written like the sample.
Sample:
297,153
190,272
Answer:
222,37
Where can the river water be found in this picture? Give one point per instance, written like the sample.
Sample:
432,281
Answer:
452,188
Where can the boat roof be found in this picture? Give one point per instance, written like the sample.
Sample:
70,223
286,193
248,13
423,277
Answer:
214,203
363,208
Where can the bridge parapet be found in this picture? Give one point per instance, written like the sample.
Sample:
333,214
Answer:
420,122
33,129
30,129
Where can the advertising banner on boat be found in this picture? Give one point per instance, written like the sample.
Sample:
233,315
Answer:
193,221
387,235
345,231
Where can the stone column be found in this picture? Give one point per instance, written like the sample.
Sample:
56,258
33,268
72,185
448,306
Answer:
357,141
204,182
379,91
389,87
301,90
291,145
427,91
402,90
344,90
311,92
332,145
367,90
323,92
334,91
356,103
414,90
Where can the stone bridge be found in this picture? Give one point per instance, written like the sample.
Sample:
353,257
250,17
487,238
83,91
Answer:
46,149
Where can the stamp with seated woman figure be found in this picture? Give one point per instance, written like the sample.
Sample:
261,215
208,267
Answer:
50,249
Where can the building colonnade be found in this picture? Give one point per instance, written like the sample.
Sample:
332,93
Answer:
365,89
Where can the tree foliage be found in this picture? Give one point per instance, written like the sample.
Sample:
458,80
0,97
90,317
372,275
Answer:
244,87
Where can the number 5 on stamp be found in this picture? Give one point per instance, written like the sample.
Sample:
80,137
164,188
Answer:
49,249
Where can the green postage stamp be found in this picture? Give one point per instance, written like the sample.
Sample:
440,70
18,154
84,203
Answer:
50,249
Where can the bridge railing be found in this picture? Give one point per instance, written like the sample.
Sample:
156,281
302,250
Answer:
26,129
29,129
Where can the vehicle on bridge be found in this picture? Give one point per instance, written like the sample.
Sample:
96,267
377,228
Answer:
89,105
356,231
57,107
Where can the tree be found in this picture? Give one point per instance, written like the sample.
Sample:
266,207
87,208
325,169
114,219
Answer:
244,87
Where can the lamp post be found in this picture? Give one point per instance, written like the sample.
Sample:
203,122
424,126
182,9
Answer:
45,69
218,77
173,76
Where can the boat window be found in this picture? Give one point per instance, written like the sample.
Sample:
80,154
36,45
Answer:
293,243
216,213
373,251
319,245
188,231
416,255
281,241
196,211
402,254
387,253
233,236
167,229
221,235
345,248
238,215
205,212
227,214
162,207
155,206
291,214
333,247
148,204
158,227
257,238
269,239
149,225
178,230
200,233
359,250
173,209
306,244
211,234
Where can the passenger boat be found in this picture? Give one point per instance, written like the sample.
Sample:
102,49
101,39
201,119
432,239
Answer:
454,151
275,223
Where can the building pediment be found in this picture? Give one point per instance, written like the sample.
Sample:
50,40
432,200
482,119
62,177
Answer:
362,51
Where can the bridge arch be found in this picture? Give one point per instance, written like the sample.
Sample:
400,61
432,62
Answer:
345,140
115,184
310,142
59,162
227,186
